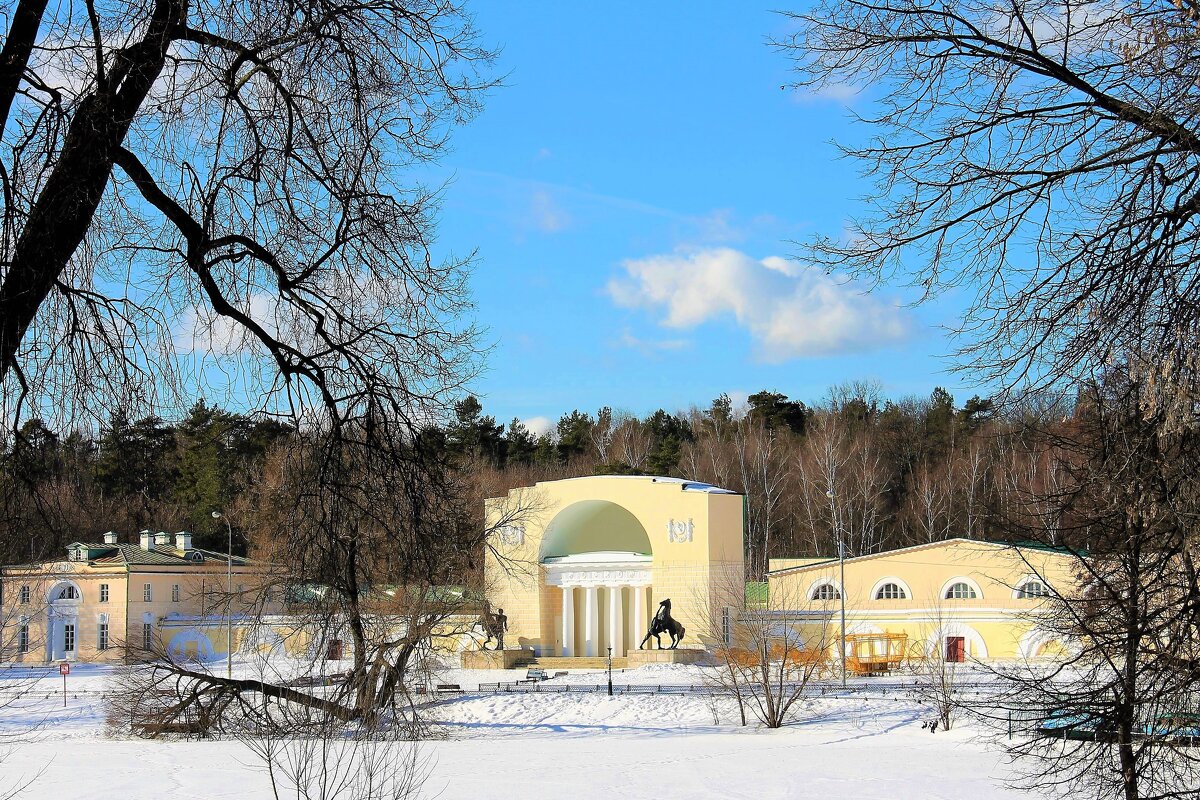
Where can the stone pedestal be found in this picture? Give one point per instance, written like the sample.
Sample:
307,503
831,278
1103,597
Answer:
639,657
495,659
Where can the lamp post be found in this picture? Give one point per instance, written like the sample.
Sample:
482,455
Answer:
228,595
837,530
610,672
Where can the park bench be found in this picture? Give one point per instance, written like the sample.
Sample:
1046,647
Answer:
449,688
536,675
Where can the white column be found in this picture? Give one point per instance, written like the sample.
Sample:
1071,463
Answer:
616,621
568,629
639,613
591,621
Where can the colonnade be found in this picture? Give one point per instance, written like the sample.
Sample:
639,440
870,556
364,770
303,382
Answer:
622,626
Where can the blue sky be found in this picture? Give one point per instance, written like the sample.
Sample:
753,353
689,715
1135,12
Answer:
634,191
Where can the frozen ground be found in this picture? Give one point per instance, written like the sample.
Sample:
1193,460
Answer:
574,746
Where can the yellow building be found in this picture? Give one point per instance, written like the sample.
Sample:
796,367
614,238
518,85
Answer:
976,600
580,565
110,601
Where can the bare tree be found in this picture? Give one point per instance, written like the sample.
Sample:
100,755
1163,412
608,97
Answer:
768,659
1041,155
1127,626
187,182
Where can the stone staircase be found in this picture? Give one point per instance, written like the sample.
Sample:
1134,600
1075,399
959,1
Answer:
558,662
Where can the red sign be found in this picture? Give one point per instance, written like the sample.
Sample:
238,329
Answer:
64,668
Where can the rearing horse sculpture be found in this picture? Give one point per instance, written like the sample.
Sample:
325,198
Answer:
662,623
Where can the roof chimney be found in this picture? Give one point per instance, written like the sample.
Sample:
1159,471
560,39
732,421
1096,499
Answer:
163,538
147,540
183,541
110,537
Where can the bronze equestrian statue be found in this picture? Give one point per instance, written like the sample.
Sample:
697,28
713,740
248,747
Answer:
662,623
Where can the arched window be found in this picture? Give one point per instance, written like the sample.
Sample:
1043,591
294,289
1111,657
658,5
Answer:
891,591
1032,588
826,591
961,591
68,593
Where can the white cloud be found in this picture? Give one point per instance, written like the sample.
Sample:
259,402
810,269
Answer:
651,347
790,311
545,214
538,425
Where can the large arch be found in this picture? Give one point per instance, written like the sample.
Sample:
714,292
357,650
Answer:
594,526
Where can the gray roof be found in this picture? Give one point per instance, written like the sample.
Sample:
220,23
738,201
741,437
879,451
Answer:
161,555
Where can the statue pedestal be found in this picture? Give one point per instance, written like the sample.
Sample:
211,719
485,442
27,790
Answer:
638,658
496,659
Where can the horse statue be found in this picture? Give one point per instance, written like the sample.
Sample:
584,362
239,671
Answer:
493,625
662,623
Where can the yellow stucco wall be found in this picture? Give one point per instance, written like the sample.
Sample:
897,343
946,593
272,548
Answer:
995,624
692,573
125,610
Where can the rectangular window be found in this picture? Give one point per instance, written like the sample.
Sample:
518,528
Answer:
69,637
175,593
24,595
104,593
23,639
726,626
102,637
146,593
147,636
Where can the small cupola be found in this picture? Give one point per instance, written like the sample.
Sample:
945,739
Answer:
183,541
162,538
110,537
146,538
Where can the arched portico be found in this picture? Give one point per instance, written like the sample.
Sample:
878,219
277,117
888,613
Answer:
62,624
599,555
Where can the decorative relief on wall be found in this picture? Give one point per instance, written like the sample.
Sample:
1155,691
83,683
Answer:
511,535
61,566
680,530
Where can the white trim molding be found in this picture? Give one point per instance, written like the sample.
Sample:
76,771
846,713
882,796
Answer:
1016,592
879,584
960,579
599,569
968,633
809,596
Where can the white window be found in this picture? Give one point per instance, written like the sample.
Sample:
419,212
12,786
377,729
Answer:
1032,588
726,626
69,637
102,635
104,593
891,591
24,595
23,638
147,593
147,636
961,591
826,591
175,593
68,593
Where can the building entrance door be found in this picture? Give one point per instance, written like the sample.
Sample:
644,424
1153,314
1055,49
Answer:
956,649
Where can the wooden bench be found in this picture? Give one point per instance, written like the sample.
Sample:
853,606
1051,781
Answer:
449,688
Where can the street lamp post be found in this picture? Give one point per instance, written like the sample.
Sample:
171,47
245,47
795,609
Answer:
610,672
837,529
228,595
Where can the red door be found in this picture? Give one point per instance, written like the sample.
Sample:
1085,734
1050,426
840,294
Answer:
956,649
334,651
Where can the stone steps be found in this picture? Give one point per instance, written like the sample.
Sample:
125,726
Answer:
586,662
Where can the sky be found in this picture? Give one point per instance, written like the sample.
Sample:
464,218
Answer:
638,191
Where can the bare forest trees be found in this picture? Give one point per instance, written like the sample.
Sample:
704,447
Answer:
1128,627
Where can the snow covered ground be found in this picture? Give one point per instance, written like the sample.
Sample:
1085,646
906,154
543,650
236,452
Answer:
575,746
